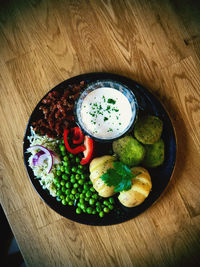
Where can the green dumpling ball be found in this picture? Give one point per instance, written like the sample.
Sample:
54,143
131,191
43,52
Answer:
155,154
129,150
148,129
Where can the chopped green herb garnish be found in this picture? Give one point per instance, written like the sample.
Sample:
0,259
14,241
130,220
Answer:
105,118
111,101
120,177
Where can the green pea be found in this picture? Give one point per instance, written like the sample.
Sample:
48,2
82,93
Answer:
79,190
86,187
77,159
98,209
111,207
59,192
88,194
111,200
83,176
92,189
65,159
72,175
80,166
62,148
58,167
78,171
56,180
106,210
81,200
90,183
79,204
95,196
86,199
62,169
72,197
58,173
84,191
72,180
75,185
98,204
74,169
63,153
83,206
77,195
68,185
63,188
89,210
106,202
71,155
91,201
80,182
101,214
67,191
65,177
58,185
62,182
77,176
67,170
84,210
64,202
62,196
78,210
81,195
58,199
70,203
94,212
73,191
67,198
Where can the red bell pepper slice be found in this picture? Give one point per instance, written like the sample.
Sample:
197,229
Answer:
89,145
75,150
78,136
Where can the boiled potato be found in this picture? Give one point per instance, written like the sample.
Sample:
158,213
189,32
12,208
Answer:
140,189
98,167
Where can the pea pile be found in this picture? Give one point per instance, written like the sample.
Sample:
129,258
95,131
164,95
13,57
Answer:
74,187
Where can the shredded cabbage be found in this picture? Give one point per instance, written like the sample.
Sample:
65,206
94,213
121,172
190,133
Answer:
40,172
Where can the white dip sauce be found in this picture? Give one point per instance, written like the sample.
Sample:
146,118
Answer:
106,113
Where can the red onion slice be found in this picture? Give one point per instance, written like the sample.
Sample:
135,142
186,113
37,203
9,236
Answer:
36,157
47,152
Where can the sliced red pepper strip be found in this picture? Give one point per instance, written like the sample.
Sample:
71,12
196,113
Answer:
89,145
78,136
75,150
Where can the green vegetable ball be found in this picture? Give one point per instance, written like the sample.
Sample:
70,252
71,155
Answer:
148,129
129,150
154,154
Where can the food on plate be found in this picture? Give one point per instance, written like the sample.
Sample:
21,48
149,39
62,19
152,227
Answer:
105,113
129,150
155,154
98,167
148,129
62,156
140,188
57,111
61,173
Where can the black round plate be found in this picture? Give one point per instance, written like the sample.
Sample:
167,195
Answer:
160,175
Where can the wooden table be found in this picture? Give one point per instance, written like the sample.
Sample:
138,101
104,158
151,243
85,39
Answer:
156,43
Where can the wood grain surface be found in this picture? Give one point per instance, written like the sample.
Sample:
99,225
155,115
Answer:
156,43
